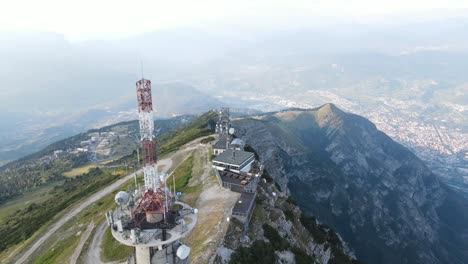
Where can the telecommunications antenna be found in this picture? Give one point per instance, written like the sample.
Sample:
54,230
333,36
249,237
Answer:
141,65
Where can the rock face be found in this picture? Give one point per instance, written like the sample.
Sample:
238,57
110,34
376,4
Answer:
288,236
376,194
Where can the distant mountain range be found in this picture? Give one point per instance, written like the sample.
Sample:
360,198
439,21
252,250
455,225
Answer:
379,196
408,80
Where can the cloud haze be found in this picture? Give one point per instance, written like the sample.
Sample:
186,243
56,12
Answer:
90,19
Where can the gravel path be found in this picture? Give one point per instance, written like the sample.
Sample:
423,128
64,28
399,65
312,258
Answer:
214,206
83,239
94,250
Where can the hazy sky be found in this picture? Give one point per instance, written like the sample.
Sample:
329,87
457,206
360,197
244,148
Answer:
85,19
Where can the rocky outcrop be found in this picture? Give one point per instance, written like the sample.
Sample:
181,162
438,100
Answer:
380,197
280,230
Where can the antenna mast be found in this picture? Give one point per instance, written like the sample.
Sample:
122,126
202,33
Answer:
141,64
145,115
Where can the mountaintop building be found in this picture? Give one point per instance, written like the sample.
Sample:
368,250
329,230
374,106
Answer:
234,160
221,145
236,169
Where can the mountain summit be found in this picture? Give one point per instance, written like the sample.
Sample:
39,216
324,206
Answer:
378,195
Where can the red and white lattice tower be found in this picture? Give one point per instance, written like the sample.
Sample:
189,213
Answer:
153,225
145,115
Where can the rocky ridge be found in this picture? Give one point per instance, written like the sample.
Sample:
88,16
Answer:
280,233
379,196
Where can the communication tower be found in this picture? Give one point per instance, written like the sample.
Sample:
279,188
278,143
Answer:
156,222
223,124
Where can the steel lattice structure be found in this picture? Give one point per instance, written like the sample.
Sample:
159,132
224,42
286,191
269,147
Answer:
145,115
154,225
223,125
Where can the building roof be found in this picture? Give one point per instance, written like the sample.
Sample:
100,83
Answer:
237,142
233,157
220,144
244,203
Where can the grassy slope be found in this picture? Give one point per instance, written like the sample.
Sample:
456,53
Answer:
79,171
112,250
198,128
40,194
61,246
183,174
172,141
83,169
34,170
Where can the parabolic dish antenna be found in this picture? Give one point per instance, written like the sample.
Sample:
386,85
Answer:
121,198
231,131
183,251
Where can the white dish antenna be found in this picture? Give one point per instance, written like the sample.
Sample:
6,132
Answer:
231,131
121,198
183,251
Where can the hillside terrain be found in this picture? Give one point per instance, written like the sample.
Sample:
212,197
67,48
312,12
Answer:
379,196
279,232
277,226
419,98
96,145
327,170
18,234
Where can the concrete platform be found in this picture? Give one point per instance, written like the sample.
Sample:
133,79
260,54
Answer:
153,237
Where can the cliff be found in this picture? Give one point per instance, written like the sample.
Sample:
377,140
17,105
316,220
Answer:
376,194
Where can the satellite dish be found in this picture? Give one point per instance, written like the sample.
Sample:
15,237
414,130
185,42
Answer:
231,131
183,251
121,198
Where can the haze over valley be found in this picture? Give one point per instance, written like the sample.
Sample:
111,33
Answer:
234,132
412,85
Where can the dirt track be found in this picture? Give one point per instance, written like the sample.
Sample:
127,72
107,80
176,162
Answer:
214,205
83,239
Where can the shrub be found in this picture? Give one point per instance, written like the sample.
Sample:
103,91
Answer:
260,252
310,224
289,215
276,240
267,176
291,200
301,256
